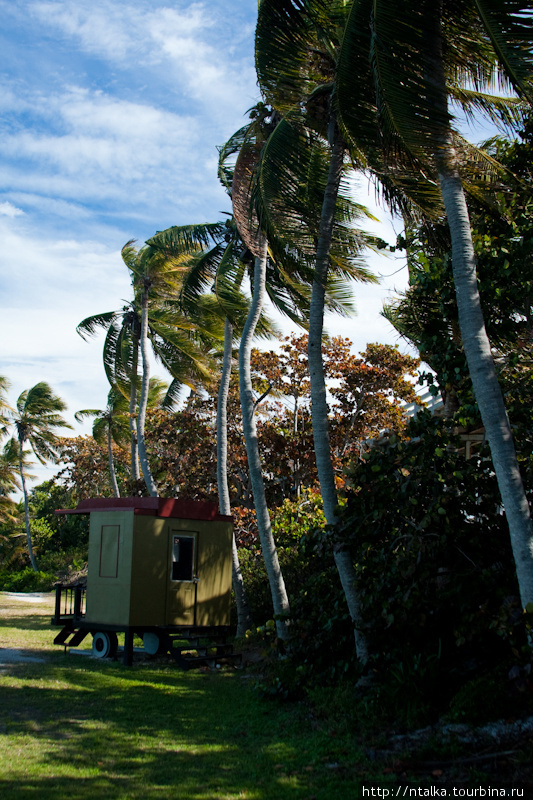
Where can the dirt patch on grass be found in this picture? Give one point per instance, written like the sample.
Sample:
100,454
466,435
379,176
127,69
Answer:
12,604
9,655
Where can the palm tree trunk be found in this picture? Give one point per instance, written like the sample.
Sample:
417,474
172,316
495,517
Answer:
26,510
319,406
134,452
244,617
485,383
112,473
477,348
143,400
222,422
275,577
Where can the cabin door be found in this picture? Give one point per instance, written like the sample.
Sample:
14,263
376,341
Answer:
183,577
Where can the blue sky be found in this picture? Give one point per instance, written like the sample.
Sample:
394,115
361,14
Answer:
110,116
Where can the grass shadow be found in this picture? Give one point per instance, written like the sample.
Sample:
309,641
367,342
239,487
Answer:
32,622
155,733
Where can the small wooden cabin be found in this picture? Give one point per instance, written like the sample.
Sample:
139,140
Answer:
155,563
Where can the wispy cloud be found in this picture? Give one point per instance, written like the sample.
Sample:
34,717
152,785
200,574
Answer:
179,43
111,152
9,210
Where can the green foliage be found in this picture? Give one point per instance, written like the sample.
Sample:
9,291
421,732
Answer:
321,645
470,702
27,580
42,534
56,532
65,563
434,564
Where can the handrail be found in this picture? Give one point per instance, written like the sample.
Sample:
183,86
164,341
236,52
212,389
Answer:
70,602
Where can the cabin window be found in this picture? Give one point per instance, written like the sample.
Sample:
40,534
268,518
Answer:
182,558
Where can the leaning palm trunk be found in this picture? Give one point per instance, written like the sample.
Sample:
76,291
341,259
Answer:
277,585
477,348
26,509
134,452
244,618
485,383
319,406
111,463
143,400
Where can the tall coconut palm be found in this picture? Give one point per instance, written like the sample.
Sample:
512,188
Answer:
111,424
9,459
35,421
416,57
9,463
296,51
176,341
278,229
221,268
179,341
121,357
252,140
301,49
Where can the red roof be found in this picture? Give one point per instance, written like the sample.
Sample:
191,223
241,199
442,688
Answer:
151,506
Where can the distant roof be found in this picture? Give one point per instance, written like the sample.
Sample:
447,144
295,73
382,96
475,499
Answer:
151,506
430,401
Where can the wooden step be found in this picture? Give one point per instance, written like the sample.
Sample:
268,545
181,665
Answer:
63,634
78,638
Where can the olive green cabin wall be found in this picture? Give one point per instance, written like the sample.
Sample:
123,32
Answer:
213,601
149,571
108,596
129,572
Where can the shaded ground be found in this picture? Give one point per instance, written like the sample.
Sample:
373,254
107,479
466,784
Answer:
92,728
10,656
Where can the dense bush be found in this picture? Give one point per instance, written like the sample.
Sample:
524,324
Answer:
321,646
26,581
434,565
55,532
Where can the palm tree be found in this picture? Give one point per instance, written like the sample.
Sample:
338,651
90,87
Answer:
177,342
222,268
420,58
111,424
9,461
250,141
121,357
35,420
180,341
279,228
4,405
296,53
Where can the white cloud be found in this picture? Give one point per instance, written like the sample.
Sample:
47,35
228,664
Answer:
61,275
101,148
100,27
51,206
9,210
181,44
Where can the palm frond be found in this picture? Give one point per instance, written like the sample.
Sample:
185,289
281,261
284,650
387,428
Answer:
90,326
173,395
183,238
506,113
509,25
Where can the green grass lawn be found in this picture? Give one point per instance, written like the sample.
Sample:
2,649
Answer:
77,727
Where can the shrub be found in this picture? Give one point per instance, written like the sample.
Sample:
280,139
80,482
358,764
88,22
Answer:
27,581
434,564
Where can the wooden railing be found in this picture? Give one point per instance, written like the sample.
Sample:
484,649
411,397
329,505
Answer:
70,602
